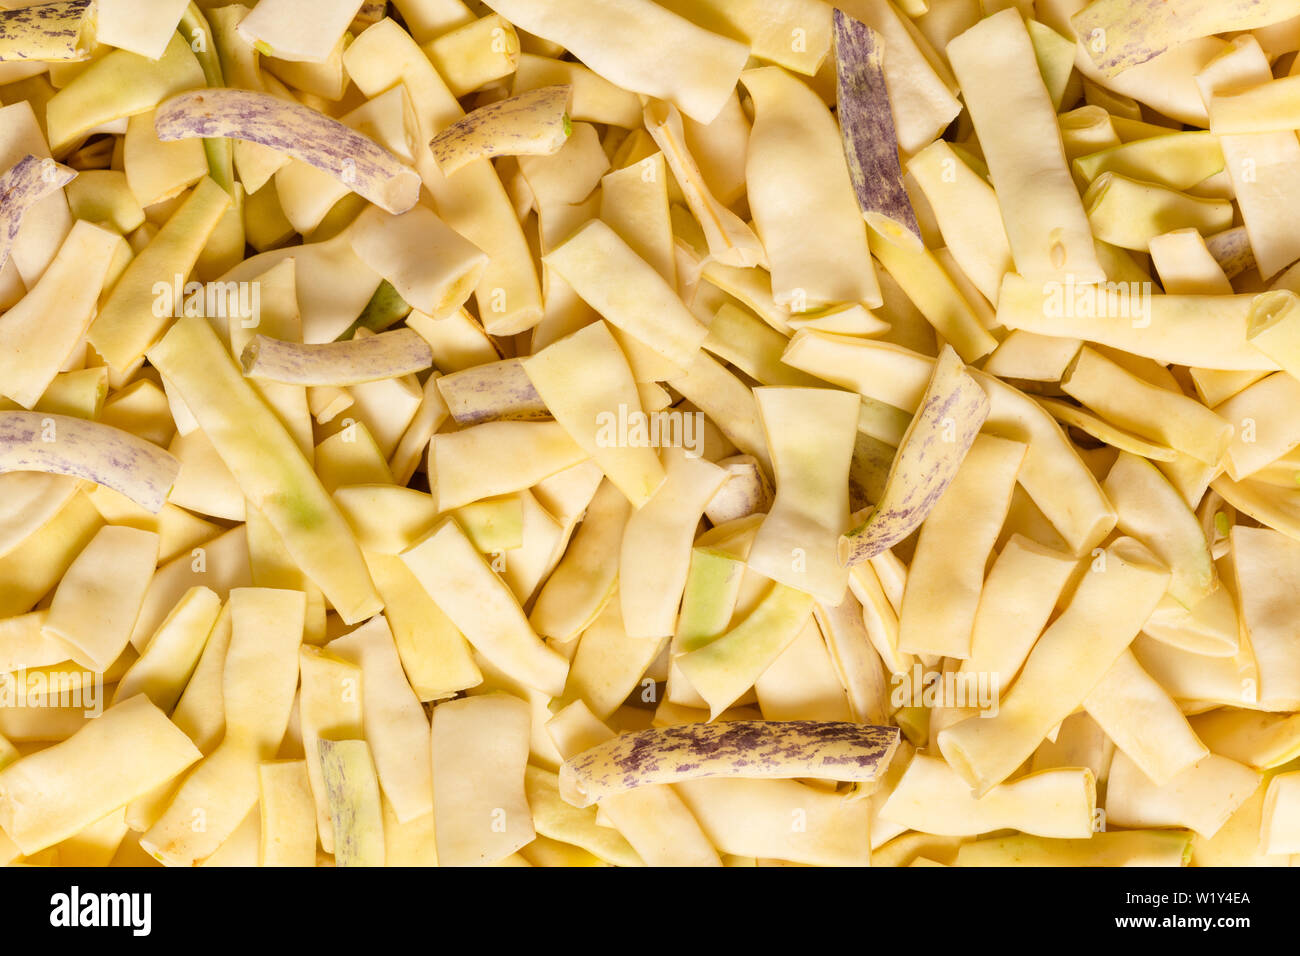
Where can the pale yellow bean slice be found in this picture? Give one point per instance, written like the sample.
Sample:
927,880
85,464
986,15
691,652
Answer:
480,749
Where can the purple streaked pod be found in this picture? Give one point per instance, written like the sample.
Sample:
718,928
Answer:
763,749
351,362
355,160
63,445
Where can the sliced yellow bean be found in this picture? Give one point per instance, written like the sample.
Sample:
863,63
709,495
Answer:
497,458
731,242
288,830
1013,115
329,707
482,607
801,684
1179,160
947,571
1144,721
656,547
803,200
609,664
400,249
118,85
1201,798
586,383
752,818
1129,213
639,303
1279,830
97,601
724,669
1052,803
125,752
1266,564
265,460
1256,163
1156,413
258,688
1110,848
480,749
1015,603
1263,741
1151,510
173,652
129,324
394,721
1273,327
698,77
437,660
1072,655
966,209
583,582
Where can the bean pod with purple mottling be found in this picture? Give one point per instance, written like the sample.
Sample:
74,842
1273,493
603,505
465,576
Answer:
1122,34
535,123
62,445
352,362
47,31
950,415
357,161
834,750
497,391
867,129
28,182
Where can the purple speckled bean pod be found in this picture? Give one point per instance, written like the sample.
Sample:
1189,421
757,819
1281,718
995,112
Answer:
358,162
748,491
352,362
27,183
952,411
63,445
1121,34
530,124
834,750
46,31
498,391
867,127
1231,250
